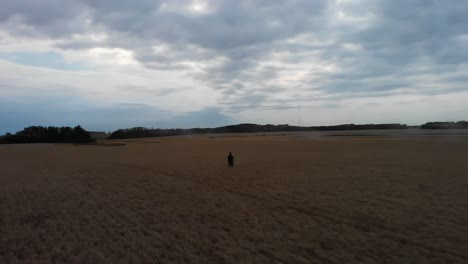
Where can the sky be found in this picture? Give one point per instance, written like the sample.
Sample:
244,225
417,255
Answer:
204,63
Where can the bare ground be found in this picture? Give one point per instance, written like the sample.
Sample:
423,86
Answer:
288,200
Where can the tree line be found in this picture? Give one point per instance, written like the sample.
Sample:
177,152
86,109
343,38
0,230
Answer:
140,132
40,134
445,125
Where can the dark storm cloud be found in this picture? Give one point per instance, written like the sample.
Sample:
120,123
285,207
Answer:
53,18
376,46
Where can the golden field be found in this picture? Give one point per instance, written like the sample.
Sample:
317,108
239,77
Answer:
288,199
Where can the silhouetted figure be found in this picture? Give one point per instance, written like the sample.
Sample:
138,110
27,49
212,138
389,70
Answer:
230,159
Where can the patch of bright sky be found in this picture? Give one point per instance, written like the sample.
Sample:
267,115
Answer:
195,7
50,60
199,6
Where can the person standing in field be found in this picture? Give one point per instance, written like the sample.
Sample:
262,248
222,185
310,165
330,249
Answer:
230,159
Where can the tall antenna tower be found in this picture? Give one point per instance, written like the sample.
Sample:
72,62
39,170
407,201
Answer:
299,114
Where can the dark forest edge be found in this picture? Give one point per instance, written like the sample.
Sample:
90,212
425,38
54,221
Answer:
39,134
446,125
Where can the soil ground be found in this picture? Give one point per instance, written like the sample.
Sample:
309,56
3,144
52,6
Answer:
287,200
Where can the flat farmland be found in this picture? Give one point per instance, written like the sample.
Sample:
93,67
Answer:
287,200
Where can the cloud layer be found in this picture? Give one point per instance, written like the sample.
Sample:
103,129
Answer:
256,61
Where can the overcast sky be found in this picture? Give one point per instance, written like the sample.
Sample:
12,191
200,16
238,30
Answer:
188,63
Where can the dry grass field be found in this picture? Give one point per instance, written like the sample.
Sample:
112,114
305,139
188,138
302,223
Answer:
287,200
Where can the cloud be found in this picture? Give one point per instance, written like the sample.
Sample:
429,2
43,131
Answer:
239,57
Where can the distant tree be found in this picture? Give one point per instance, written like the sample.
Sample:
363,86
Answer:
79,135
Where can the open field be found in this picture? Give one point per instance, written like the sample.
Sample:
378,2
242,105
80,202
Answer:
290,199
